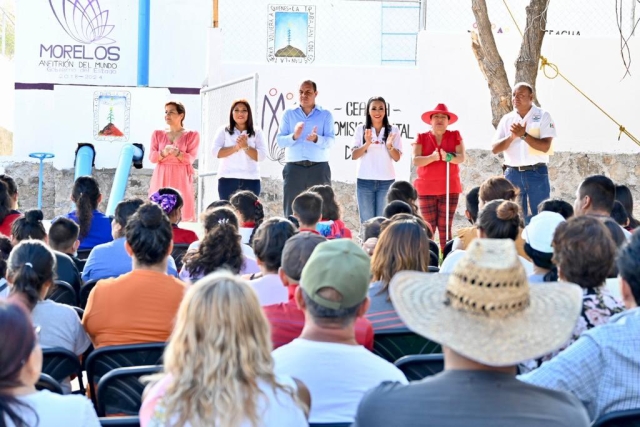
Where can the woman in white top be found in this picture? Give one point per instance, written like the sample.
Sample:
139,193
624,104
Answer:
377,144
21,404
239,147
218,369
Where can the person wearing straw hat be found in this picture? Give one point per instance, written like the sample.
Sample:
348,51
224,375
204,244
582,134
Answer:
487,319
437,154
327,357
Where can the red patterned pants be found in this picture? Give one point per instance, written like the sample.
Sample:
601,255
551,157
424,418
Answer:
434,210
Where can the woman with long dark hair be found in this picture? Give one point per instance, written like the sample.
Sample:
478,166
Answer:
21,405
624,196
239,146
95,227
8,203
174,150
377,144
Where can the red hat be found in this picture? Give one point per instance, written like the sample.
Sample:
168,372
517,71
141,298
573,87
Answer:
440,108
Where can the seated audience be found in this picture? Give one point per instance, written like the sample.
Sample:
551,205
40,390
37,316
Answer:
20,367
624,196
5,250
481,330
30,226
112,259
171,202
331,225
403,245
601,367
95,227
405,192
30,274
63,237
8,204
220,248
397,207
595,197
250,212
620,215
327,358
498,219
538,244
466,234
139,306
268,244
286,318
558,206
206,382
307,209
371,230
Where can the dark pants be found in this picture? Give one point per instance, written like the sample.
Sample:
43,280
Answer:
228,186
298,178
533,185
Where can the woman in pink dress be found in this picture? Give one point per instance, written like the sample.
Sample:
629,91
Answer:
174,151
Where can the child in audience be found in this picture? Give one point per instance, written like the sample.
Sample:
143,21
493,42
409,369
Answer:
30,273
250,212
30,226
404,191
268,243
466,234
171,203
139,306
220,248
620,215
371,230
20,367
558,206
330,226
5,250
538,237
218,369
95,227
63,237
624,196
307,209
396,207
8,204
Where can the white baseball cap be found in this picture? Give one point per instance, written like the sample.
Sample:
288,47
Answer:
539,233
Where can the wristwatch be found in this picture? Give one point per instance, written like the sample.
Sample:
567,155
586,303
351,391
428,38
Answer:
524,137
246,148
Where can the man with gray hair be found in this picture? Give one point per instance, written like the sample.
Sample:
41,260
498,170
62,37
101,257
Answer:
327,358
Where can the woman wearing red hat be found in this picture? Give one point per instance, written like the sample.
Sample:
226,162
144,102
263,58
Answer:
431,153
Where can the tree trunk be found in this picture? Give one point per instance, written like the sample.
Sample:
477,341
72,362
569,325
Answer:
484,47
528,58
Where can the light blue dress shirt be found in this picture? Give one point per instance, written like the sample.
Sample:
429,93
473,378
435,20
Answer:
301,149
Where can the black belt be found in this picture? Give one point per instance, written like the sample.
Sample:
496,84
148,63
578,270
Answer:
305,163
527,168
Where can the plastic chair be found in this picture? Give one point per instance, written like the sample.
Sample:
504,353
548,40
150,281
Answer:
420,366
120,421
329,424
120,390
47,383
61,364
393,345
79,312
83,254
63,293
433,269
42,157
447,249
105,359
179,250
628,418
85,290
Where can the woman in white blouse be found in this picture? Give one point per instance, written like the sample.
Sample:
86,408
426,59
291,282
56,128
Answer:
239,147
377,144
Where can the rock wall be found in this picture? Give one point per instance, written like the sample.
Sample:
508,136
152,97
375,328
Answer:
566,171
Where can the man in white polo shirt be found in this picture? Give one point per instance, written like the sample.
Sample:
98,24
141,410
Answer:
525,136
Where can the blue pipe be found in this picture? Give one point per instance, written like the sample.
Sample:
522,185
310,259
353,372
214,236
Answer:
128,154
84,161
144,31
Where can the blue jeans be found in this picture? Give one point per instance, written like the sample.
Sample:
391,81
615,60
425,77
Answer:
228,186
533,185
372,197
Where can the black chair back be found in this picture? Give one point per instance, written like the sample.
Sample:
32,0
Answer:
120,421
47,383
60,364
83,253
433,269
120,390
329,424
393,345
447,249
85,290
106,359
79,312
63,293
628,418
179,250
420,366
433,246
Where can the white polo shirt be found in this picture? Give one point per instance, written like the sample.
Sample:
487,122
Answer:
539,124
376,163
239,165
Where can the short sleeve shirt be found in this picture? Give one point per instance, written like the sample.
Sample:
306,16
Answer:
376,163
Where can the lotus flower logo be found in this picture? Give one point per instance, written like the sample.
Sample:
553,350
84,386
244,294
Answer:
83,20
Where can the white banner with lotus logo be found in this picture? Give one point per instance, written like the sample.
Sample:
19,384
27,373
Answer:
89,42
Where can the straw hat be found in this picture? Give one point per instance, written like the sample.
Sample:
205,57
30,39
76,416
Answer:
440,109
485,310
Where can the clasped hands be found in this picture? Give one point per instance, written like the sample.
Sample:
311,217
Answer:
312,137
170,149
440,154
368,140
517,131
242,142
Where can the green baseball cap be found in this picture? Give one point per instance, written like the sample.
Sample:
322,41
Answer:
341,265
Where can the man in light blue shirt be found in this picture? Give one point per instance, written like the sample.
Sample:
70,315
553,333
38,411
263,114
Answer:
306,134
601,368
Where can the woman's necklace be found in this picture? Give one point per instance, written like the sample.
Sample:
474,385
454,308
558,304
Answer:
173,135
